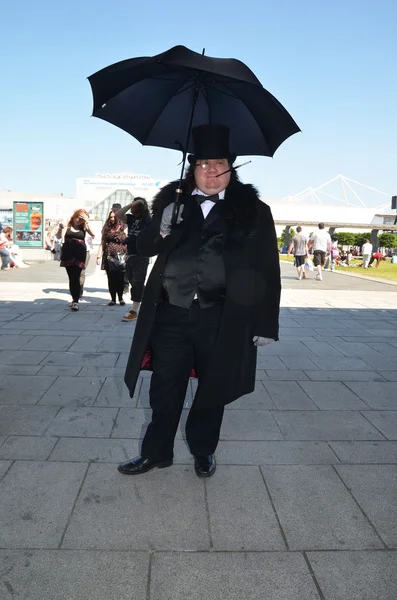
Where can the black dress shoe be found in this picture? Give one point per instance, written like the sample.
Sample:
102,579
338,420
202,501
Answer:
204,465
139,465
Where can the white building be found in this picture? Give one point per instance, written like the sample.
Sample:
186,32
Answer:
98,194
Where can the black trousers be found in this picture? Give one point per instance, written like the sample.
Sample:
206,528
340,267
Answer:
136,270
83,271
181,339
115,284
74,273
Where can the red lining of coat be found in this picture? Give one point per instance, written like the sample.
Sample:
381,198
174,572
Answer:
146,364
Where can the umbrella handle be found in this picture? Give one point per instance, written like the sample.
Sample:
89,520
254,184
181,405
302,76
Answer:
177,203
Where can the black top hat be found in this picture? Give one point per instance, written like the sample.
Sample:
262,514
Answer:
211,141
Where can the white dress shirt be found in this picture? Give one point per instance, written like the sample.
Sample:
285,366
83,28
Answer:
207,205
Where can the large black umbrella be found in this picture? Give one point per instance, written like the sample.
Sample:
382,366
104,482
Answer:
159,99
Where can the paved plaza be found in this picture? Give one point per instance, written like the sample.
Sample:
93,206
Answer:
303,505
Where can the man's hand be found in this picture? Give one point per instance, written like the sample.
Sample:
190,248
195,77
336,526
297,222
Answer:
261,341
165,226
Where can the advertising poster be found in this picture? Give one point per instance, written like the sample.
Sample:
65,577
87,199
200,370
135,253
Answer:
28,224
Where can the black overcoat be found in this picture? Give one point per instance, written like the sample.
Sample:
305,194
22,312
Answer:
252,291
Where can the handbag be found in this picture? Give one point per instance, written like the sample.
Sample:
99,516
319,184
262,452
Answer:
116,262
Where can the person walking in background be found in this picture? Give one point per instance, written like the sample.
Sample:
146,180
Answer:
73,252
366,252
90,248
300,251
111,256
136,266
321,241
334,255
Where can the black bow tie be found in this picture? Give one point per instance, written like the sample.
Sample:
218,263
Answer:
200,199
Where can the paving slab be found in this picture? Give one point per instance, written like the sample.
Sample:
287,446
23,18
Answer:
19,369
37,499
86,344
260,375
325,425
366,452
379,362
316,511
114,392
132,423
23,389
122,360
284,375
387,349
231,575
62,575
116,344
333,395
298,362
27,447
365,482
81,422
159,506
376,395
22,357
102,372
281,348
86,359
47,343
288,395
59,370
270,362
259,399
341,364
274,452
249,523
25,420
356,575
390,375
249,425
45,317
13,342
345,375
353,349
385,421
94,450
384,333
4,466
73,391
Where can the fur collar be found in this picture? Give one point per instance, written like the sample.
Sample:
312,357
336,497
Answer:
241,202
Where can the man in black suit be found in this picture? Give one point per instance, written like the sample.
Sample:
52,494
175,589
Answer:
212,297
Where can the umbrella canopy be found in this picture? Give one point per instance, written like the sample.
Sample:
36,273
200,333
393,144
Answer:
159,99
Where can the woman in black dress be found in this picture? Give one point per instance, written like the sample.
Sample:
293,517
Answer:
73,253
113,244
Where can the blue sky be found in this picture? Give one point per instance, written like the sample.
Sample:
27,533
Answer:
332,64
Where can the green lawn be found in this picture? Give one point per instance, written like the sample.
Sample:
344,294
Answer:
385,271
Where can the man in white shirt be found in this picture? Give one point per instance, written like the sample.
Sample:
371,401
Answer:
321,248
367,251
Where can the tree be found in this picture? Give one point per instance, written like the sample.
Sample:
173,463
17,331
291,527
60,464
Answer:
292,233
361,238
346,238
387,240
